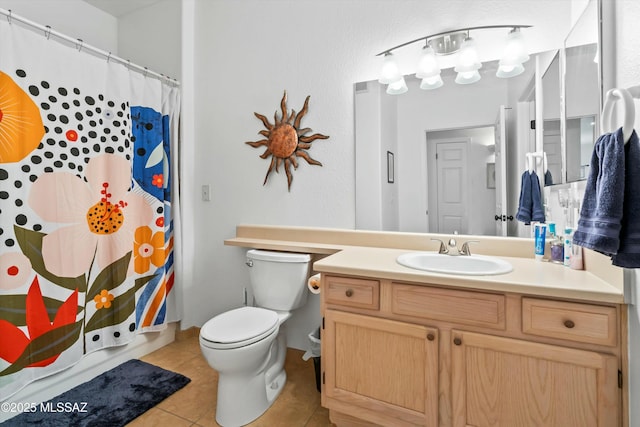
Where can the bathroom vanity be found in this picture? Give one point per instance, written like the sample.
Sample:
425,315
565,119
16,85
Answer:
542,345
450,351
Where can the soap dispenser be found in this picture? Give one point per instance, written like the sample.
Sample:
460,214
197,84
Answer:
556,245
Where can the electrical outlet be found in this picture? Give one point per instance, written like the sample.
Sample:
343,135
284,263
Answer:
206,193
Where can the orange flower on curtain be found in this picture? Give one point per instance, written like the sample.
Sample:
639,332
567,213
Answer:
103,214
21,128
148,248
14,342
103,300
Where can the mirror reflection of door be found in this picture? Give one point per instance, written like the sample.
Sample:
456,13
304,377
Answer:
460,197
451,178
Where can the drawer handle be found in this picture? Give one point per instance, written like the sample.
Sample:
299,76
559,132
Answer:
569,324
431,337
349,293
457,341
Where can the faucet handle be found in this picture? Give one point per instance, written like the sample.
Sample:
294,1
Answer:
464,250
443,249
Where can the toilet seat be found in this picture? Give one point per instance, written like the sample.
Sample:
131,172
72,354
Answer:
239,327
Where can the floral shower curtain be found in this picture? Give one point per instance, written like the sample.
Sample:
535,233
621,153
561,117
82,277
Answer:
87,205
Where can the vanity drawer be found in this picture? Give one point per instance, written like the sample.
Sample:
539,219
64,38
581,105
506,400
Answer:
467,307
352,292
586,323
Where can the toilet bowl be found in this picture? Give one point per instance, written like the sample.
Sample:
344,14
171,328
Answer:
247,345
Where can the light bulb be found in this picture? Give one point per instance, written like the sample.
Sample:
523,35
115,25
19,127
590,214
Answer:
428,65
390,72
467,77
398,87
468,57
429,83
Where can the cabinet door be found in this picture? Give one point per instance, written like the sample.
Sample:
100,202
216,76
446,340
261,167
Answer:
506,382
380,370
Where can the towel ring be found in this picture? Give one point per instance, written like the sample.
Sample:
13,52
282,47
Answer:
629,112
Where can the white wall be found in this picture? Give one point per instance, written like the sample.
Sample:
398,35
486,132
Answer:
151,37
73,18
246,54
627,73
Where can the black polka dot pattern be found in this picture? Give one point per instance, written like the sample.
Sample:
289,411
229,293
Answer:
78,125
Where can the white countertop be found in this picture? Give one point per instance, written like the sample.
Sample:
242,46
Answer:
527,277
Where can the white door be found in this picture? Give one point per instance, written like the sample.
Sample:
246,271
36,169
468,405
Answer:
451,168
501,216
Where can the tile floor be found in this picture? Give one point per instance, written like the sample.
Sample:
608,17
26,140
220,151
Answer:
297,406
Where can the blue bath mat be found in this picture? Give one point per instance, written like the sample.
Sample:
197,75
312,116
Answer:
111,399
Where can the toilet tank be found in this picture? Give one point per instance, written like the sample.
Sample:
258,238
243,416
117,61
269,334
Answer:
279,279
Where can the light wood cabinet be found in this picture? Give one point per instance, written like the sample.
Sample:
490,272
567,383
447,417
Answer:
380,369
505,382
409,354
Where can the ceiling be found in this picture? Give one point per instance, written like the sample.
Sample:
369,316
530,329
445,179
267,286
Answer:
118,8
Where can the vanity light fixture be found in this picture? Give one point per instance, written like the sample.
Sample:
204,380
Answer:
454,42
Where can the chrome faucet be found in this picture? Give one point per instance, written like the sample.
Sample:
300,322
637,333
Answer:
451,248
443,249
464,250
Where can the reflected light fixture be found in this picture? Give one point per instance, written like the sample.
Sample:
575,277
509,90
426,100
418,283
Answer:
515,54
454,42
429,70
468,63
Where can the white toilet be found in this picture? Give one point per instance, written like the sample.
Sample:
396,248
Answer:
247,345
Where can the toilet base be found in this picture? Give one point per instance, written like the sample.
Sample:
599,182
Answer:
244,398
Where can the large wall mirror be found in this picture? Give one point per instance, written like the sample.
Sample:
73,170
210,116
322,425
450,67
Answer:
582,93
458,151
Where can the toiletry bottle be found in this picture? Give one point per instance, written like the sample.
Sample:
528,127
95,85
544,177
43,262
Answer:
557,250
540,231
568,243
576,262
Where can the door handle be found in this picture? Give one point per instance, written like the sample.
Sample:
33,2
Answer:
498,218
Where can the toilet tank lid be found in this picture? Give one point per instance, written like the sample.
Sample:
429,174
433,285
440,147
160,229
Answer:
274,256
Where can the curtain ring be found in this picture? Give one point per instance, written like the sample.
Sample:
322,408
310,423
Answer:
145,71
109,57
9,16
81,45
47,32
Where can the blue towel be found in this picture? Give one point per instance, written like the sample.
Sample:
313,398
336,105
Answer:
537,210
629,251
530,204
525,203
601,214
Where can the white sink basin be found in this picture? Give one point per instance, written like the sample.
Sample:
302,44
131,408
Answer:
474,265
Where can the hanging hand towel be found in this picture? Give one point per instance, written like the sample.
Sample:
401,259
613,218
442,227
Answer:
548,178
525,202
629,251
537,210
601,213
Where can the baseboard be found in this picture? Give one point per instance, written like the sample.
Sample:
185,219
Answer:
191,332
90,366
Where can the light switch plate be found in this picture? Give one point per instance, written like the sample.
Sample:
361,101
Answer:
206,193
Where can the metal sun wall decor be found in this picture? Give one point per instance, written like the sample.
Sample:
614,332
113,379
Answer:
285,140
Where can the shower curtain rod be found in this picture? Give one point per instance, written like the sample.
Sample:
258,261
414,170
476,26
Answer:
80,45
